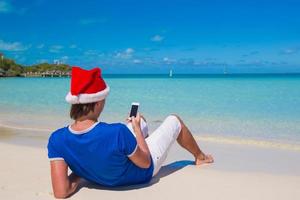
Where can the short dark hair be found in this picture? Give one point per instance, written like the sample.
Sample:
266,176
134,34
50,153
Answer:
79,110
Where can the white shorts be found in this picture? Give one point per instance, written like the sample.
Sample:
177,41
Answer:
160,141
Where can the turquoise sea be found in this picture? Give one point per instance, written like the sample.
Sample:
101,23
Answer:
254,107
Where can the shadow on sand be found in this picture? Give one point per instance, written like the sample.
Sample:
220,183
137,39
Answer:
164,171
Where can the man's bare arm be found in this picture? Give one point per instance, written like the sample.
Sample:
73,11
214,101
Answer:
142,156
62,184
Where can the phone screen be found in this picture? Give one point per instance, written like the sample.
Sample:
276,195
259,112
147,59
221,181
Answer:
134,109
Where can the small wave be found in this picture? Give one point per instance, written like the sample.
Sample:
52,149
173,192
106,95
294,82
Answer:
25,128
253,142
216,139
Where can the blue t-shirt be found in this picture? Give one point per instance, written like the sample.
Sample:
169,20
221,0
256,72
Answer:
99,154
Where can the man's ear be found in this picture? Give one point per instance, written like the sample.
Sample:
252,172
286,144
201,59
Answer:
98,103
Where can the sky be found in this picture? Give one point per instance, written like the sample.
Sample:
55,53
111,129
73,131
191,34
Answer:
138,36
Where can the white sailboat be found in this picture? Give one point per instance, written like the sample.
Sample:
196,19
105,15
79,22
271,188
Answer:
170,73
224,70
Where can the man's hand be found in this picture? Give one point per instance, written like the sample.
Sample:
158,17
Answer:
136,123
141,157
129,120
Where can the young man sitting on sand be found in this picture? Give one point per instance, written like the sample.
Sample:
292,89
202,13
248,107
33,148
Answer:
109,154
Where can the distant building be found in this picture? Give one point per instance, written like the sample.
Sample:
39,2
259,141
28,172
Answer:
56,62
2,73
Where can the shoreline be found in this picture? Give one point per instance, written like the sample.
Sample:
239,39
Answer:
204,137
166,75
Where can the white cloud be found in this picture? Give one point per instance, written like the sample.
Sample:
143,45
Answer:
56,48
157,38
290,51
65,58
129,51
137,61
125,54
40,46
62,60
169,60
186,61
209,63
13,46
90,21
73,46
90,53
5,7
93,53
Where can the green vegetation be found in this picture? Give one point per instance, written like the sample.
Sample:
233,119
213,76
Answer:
9,67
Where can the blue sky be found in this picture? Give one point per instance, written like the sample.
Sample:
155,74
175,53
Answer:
135,36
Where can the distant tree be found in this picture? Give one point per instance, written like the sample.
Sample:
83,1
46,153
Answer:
10,68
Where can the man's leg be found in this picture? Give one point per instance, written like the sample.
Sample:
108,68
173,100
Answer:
187,141
161,140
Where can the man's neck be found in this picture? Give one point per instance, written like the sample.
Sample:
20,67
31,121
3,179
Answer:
80,125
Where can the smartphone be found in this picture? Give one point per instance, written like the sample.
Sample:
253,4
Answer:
134,109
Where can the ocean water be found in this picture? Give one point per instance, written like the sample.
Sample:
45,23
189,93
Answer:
247,107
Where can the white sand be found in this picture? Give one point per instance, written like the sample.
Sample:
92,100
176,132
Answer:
25,174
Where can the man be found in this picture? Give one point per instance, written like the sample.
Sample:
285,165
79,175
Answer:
109,154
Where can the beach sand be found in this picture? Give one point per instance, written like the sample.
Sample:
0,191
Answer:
239,172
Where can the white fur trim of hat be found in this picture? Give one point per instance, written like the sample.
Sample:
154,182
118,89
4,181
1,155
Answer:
87,98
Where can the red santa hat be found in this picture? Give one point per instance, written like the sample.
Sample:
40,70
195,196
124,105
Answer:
87,86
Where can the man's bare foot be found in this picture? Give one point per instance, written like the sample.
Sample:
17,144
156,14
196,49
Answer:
204,159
